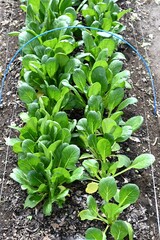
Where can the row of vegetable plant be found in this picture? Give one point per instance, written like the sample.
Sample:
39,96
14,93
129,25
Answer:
73,85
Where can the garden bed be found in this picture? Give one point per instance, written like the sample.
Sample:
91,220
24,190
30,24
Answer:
17,223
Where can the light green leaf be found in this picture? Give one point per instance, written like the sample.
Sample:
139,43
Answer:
128,194
126,102
86,215
143,161
104,148
119,230
135,122
92,166
93,120
94,89
107,188
114,98
51,66
79,79
28,146
94,234
92,205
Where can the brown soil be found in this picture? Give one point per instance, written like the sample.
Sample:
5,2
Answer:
17,223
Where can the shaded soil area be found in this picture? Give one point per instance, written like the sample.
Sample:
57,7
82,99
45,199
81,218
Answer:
17,223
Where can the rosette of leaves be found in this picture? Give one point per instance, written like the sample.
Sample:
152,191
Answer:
115,201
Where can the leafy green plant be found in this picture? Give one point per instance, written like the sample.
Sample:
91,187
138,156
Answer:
115,201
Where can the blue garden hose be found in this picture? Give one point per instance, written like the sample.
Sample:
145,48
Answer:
82,27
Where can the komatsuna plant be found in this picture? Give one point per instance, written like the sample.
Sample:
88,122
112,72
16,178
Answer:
115,201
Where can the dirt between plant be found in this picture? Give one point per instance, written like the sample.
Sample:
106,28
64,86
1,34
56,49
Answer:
17,223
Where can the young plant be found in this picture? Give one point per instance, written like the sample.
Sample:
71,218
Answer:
115,201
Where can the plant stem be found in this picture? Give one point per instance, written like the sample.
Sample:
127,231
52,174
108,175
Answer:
123,171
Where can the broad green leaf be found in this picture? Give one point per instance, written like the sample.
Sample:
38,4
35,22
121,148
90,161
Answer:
94,234
64,4
79,79
135,122
28,146
27,94
50,43
128,194
92,187
88,41
92,166
77,174
110,210
119,230
32,200
29,163
103,55
143,161
126,133
104,148
108,125
35,178
93,121
24,37
62,59
107,188
35,5
126,102
47,207
95,103
53,92
99,75
109,44
116,66
19,176
60,175
92,205
29,131
65,47
62,119
70,156
51,66
114,98
86,215
94,89
123,160
27,58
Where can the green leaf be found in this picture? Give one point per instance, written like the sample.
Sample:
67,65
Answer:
108,125
116,66
107,188
126,133
88,41
12,141
64,4
77,174
114,98
123,160
94,89
51,66
94,234
50,43
110,210
71,65
122,13
70,156
35,5
126,102
135,122
143,161
35,178
109,44
128,194
98,74
26,93
86,215
92,187
92,166
32,200
104,148
19,176
79,79
93,120
92,205
119,230
62,119
53,92
47,207
65,47
28,146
